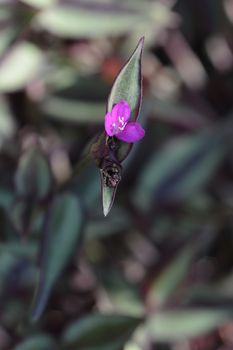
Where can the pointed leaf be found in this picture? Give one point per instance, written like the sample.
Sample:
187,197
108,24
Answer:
108,195
98,331
63,229
128,87
128,84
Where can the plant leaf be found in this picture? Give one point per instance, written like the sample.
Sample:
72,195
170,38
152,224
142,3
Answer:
180,169
182,324
108,195
25,250
86,22
39,342
19,67
128,86
68,111
64,230
39,3
177,114
8,261
99,331
33,175
171,276
6,198
25,216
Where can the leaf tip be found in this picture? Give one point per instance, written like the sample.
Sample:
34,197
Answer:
38,306
107,202
106,211
141,43
142,40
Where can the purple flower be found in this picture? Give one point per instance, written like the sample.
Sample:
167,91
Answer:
117,124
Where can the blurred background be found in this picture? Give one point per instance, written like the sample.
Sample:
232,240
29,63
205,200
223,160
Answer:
157,272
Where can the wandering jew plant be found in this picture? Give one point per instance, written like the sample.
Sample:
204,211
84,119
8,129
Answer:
121,126
109,151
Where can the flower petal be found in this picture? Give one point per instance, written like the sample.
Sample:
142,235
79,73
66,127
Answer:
108,124
132,132
116,119
121,109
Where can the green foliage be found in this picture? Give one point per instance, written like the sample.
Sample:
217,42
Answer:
39,3
107,332
74,22
20,66
62,110
25,250
156,272
171,276
183,324
62,234
128,87
39,342
181,168
33,175
108,195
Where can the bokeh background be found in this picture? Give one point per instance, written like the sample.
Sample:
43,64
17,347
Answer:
156,273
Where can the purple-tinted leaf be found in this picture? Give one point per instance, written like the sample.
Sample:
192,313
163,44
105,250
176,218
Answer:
125,95
62,233
128,84
128,87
